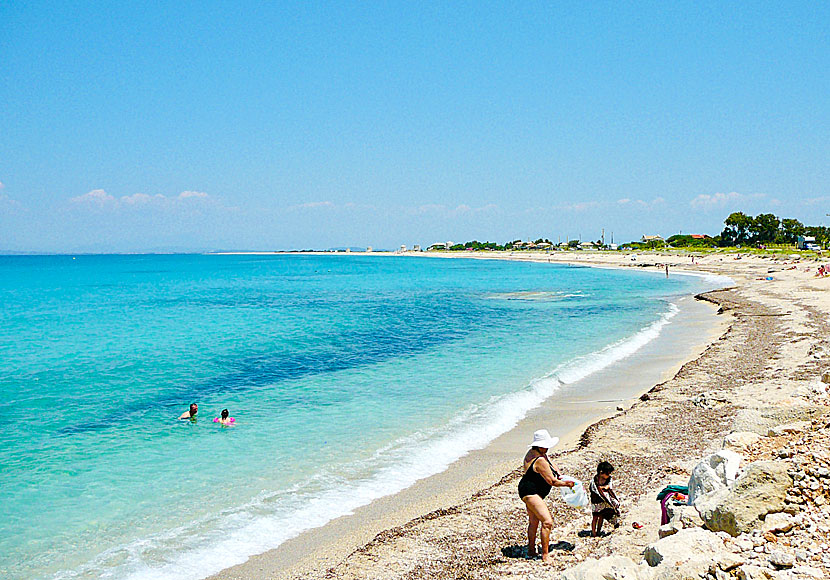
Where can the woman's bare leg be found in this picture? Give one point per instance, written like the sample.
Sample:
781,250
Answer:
533,524
539,508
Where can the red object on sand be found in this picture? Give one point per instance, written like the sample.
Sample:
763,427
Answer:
636,525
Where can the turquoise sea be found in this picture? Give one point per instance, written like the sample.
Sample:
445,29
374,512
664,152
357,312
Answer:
333,366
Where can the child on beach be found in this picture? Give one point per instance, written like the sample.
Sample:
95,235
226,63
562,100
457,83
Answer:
604,502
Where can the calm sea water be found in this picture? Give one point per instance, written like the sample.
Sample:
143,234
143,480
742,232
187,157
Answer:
346,362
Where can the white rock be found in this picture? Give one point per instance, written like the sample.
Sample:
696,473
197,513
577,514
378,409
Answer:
777,522
669,529
760,490
684,546
744,545
789,429
808,571
781,559
729,561
752,572
740,440
608,568
685,515
715,472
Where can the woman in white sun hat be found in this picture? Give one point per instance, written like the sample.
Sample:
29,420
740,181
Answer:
538,479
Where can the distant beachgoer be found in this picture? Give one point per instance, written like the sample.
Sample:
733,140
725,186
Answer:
190,413
604,502
223,419
538,479
667,270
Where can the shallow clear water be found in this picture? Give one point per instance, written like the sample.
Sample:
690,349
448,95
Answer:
331,365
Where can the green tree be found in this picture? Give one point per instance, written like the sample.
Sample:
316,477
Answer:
737,230
790,230
765,228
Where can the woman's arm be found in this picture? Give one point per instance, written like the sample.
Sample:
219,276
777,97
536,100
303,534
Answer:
543,469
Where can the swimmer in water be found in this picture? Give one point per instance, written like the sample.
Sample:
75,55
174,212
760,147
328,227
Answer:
191,413
224,420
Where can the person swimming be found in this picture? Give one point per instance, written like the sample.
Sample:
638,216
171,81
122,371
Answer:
224,419
190,413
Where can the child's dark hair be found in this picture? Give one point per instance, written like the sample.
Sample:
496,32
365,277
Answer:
225,413
605,468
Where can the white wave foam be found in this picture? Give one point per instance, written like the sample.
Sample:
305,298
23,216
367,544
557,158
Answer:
205,547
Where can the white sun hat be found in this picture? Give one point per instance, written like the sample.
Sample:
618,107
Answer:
542,438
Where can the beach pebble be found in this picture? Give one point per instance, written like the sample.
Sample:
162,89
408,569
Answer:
740,440
608,568
753,572
789,429
808,571
781,559
669,529
729,561
778,522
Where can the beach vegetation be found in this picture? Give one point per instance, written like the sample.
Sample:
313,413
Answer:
767,229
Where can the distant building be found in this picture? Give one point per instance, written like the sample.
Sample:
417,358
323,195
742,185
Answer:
416,248
439,246
588,246
647,239
699,236
802,242
369,249
403,247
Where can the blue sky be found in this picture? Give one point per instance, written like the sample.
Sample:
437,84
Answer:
238,125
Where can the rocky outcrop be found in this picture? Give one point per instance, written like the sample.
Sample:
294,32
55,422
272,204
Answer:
789,429
740,440
694,545
761,490
715,472
608,568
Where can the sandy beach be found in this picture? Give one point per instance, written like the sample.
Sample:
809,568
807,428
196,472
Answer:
744,359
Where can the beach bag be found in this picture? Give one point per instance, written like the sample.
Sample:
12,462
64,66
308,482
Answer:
574,496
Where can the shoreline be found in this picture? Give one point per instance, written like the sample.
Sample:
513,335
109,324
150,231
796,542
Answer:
326,547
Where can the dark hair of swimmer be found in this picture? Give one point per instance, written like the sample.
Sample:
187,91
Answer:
194,408
224,413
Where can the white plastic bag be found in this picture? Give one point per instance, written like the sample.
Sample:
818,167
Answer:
574,496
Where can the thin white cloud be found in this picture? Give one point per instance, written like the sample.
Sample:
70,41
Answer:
1,185
193,195
822,200
715,200
6,201
641,202
96,196
446,211
142,198
579,206
313,205
100,197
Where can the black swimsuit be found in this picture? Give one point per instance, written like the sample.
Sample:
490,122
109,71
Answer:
532,483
